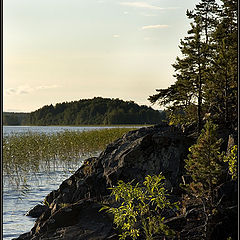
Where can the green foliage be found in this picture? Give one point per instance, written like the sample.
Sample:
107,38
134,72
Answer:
140,208
96,111
222,93
204,163
231,159
206,72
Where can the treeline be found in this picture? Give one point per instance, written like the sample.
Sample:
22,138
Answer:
206,72
103,111
16,119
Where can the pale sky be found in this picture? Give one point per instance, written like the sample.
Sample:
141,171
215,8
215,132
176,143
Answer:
66,50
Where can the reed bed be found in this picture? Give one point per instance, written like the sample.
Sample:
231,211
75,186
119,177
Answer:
30,153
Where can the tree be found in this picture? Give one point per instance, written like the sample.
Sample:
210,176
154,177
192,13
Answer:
188,89
221,89
186,98
204,165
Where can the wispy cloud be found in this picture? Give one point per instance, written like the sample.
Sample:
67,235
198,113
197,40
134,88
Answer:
155,26
148,15
26,89
141,5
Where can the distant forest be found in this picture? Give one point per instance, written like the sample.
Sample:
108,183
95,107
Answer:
96,111
15,119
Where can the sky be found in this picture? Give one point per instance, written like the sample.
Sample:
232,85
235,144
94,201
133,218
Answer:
58,51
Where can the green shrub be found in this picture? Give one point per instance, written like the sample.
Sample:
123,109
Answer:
140,208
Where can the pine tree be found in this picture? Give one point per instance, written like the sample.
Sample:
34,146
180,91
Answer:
205,11
186,98
204,163
221,88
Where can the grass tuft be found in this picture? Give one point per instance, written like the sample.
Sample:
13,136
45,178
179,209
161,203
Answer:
34,152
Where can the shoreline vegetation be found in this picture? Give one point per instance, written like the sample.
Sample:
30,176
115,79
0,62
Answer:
88,126
31,152
96,111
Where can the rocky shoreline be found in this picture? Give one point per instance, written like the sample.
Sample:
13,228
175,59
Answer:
72,211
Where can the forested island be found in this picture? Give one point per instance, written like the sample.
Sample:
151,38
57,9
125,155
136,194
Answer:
96,111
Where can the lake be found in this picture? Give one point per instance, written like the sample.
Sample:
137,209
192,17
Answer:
16,203
51,129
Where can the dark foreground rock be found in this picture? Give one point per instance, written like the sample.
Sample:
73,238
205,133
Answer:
37,211
73,211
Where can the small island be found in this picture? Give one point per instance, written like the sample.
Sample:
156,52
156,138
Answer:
96,111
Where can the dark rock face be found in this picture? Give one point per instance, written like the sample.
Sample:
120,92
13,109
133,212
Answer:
73,208
73,211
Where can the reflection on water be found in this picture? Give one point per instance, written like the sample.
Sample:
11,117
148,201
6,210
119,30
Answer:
51,129
16,203
46,178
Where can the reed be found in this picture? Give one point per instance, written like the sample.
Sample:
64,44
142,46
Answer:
34,152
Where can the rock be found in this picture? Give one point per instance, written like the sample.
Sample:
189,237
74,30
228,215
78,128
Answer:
73,211
37,211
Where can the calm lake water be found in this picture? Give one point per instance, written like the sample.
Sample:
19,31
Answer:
53,129
16,203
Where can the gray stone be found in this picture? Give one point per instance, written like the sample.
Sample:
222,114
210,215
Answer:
152,150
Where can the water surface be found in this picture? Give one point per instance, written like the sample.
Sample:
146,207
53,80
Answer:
17,202
52,129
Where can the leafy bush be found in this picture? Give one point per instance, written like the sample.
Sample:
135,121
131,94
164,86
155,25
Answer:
140,208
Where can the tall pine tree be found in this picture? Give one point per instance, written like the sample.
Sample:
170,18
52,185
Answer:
221,89
206,73
204,165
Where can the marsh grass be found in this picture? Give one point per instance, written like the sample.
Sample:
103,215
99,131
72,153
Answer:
30,153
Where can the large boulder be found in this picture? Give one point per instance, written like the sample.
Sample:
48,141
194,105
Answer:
73,211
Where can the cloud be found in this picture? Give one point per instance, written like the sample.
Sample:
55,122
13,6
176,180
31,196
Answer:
141,5
116,36
46,87
26,89
148,15
155,26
